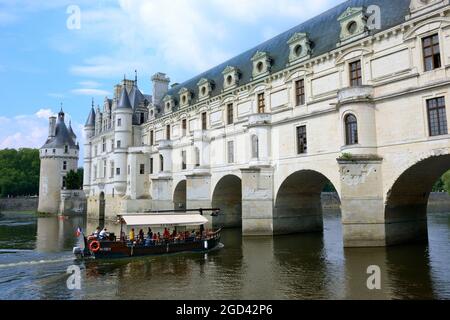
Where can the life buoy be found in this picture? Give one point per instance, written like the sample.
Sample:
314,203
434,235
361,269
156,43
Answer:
94,246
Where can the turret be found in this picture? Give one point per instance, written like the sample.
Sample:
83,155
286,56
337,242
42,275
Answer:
59,155
89,132
123,139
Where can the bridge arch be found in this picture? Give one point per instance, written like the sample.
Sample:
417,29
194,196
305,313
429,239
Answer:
180,196
407,200
298,203
227,195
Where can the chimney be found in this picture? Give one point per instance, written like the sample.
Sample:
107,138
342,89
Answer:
160,87
51,127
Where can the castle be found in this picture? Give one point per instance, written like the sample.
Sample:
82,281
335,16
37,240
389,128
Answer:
355,97
59,155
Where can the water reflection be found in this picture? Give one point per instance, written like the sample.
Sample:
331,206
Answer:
305,266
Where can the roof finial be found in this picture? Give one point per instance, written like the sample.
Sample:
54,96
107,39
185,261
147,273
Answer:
93,103
135,77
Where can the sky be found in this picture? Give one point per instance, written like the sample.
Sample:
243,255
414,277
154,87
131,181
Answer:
55,52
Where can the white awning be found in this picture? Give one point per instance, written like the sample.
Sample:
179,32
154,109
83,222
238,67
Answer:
164,220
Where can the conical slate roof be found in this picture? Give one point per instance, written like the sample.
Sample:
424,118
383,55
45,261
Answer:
124,102
91,119
136,97
72,133
62,135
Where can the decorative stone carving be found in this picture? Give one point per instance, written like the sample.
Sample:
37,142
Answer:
262,64
300,47
169,103
230,77
185,97
205,88
353,24
418,7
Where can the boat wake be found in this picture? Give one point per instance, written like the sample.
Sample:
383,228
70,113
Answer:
33,263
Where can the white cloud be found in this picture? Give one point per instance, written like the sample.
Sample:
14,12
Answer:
24,131
56,95
90,84
44,113
90,92
31,131
183,35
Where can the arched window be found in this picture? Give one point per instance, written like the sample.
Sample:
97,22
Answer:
161,163
351,130
255,147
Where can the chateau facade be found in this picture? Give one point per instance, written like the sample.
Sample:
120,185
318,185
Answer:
355,97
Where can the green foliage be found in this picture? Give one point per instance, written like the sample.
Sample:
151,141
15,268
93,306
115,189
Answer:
74,180
446,181
19,172
347,156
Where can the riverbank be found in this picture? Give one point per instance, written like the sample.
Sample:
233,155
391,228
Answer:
19,204
438,202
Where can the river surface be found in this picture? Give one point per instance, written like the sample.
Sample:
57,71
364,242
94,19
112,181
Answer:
36,252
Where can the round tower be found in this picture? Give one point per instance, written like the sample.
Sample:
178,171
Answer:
89,131
59,155
123,115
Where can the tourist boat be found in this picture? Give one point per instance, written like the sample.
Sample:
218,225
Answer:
204,241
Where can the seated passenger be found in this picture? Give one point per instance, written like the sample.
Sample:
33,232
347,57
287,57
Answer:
103,235
149,234
141,236
166,233
96,232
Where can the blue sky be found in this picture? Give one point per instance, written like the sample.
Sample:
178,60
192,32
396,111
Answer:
43,63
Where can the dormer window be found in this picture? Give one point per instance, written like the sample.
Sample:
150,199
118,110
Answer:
300,47
262,64
169,103
205,88
185,97
353,25
230,77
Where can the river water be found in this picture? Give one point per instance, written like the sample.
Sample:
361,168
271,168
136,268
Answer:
36,252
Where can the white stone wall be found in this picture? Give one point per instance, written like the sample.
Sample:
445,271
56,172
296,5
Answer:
390,108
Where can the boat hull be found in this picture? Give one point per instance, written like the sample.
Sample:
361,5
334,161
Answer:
115,250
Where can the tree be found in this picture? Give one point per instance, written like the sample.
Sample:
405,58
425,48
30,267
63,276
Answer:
19,172
74,180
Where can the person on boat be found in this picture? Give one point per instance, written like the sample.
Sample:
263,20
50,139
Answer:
158,238
149,234
103,234
132,237
141,236
166,234
96,232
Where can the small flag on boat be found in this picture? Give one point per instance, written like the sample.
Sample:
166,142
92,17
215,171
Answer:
78,233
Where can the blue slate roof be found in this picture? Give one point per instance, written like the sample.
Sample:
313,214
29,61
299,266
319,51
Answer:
323,31
91,118
124,101
62,136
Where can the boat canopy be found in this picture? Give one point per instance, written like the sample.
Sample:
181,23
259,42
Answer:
164,220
